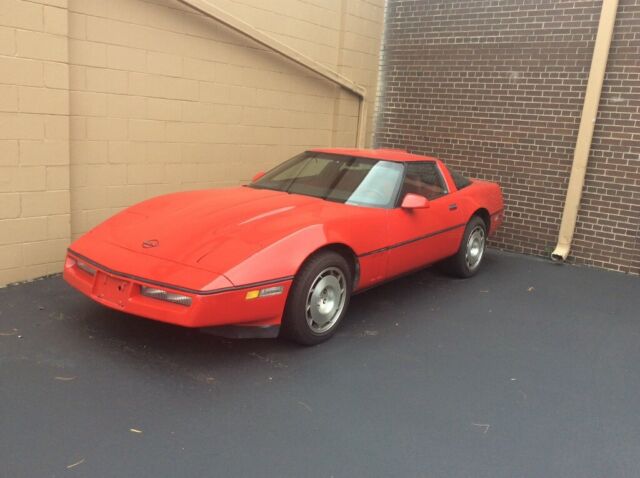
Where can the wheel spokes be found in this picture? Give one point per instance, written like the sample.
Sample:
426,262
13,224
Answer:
475,247
326,299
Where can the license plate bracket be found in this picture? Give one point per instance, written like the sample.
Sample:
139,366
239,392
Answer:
112,289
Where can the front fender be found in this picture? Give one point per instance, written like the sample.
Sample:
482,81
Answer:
280,259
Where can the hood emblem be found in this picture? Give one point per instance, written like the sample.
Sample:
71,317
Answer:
149,243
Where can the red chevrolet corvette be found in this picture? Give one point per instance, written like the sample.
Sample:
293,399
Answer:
284,254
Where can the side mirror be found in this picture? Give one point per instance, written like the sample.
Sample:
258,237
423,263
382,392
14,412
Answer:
257,176
414,201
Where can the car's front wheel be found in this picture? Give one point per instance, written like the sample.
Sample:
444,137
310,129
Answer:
318,299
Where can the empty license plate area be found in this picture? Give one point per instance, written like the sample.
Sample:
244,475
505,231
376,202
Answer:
112,289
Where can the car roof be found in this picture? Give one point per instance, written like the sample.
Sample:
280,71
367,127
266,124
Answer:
399,155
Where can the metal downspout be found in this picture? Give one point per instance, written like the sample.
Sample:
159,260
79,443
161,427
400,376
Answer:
585,133
262,38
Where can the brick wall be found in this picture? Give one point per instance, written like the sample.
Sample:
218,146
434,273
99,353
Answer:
104,103
495,88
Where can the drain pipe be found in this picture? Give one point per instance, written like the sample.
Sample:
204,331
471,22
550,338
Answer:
362,123
242,27
585,133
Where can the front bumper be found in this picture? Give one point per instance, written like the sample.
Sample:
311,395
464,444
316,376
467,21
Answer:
228,306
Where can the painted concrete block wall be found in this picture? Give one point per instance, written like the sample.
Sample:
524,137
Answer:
127,99
34,138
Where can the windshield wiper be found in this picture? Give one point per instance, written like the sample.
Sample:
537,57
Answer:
255,186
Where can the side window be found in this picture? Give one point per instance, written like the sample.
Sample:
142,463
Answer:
423,178
459,180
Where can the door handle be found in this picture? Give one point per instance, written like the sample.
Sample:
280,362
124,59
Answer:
453,207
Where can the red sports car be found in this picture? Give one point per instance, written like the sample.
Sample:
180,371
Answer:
284,254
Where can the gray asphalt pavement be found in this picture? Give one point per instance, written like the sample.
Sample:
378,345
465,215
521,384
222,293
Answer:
530,369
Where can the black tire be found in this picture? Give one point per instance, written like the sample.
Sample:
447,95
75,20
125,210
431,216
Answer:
309,284
458,265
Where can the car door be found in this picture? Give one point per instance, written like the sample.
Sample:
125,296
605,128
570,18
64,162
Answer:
418,237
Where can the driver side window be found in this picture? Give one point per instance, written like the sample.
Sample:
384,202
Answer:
423,178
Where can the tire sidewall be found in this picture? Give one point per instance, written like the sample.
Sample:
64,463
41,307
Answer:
461,258
294,323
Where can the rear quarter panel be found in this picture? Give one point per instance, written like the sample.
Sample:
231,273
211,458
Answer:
482,195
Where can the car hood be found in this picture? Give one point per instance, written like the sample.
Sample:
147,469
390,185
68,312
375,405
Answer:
232,224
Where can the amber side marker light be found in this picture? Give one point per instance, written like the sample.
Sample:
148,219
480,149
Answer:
254,294
165,295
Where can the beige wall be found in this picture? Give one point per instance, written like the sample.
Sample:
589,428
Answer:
107,102
34,138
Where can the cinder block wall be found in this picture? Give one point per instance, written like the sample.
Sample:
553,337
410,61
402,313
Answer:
496,90
34,138
104,103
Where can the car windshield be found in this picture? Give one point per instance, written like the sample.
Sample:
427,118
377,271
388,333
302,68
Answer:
339,178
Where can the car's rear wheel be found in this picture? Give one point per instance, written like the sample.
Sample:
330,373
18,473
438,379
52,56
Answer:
318,299
467,260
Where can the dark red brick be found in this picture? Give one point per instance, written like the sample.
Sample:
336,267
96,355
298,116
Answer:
496,90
